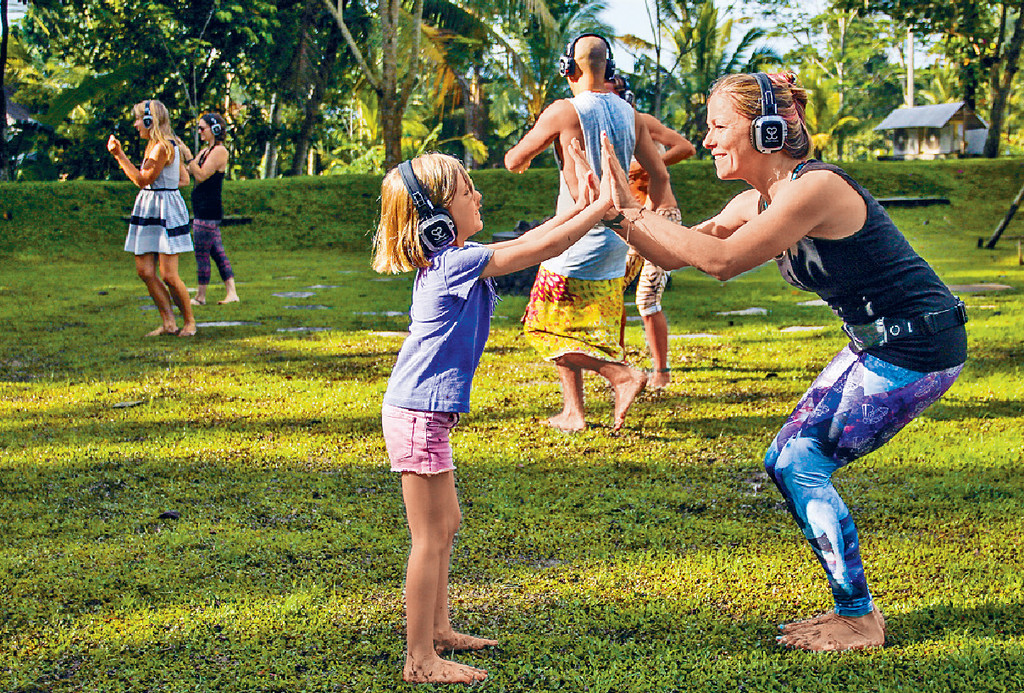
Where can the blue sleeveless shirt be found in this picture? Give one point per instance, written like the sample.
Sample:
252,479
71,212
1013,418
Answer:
600,254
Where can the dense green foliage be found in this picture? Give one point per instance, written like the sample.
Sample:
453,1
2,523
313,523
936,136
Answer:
658,559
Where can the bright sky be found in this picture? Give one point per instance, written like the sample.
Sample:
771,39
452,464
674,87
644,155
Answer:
627,17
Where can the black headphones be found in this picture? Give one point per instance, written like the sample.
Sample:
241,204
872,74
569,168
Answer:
567,62
436,228
627,93
216,129
767,131
147,117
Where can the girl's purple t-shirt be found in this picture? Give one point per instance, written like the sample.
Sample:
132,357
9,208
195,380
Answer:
450,319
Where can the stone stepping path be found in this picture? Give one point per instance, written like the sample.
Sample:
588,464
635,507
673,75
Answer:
227,323
313,306
304,329
804,328
814,302
695,335
294,294
978,288
745,311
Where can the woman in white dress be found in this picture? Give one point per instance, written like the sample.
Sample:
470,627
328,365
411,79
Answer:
159,227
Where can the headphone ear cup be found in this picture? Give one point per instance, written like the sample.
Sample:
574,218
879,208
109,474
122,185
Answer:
768,133
566,65
437,231
609,69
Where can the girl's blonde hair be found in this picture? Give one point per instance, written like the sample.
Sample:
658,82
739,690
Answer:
790,100
160,133
396,245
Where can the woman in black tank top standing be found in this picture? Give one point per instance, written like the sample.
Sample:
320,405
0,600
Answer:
208,168
830,236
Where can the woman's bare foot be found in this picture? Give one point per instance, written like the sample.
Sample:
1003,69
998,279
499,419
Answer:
229,299
198,301
163,330
188,330
835,633
625,392
659,379
437,670
567,423
795,626
460,642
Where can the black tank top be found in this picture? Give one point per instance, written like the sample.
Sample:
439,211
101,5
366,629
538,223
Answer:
206,202
872,274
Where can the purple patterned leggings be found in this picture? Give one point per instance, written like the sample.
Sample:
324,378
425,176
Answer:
206,237
855,405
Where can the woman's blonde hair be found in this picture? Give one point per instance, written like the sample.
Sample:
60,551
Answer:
160,132
396,245
790,100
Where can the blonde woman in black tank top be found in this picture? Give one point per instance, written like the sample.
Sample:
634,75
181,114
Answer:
208,168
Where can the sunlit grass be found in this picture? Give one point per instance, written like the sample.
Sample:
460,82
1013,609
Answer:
217,513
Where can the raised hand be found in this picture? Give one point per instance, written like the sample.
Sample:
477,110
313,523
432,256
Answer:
113,145
614,182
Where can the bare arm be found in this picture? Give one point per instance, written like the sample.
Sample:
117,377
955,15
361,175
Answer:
216,160
676,146
551,123
738,238
555,235
152,165
647,154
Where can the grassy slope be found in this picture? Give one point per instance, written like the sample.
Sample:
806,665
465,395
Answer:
655,560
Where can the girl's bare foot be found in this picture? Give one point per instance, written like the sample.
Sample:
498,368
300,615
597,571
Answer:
437,670
188,330
162,330
229,299
625,392
567,423
198,301
460,642
835,633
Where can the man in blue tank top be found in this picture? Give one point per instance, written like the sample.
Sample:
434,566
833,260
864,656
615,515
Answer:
574,317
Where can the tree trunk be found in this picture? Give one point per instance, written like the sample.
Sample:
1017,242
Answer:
270,151
1001,77
313,101
391,110
4,173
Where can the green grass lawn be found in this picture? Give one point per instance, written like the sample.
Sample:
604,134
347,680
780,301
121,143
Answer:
657,559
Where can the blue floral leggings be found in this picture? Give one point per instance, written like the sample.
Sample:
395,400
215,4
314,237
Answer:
854,406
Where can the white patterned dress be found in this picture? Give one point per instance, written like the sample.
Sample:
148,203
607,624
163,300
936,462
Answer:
160,222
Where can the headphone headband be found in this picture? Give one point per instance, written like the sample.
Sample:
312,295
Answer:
567,62
436,228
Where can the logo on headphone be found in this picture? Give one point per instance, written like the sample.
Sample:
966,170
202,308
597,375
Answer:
436,228
768,130
567,62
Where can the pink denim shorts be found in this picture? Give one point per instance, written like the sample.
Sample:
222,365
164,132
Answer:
417,441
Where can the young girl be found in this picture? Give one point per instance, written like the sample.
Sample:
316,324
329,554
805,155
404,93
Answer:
429,388
159,226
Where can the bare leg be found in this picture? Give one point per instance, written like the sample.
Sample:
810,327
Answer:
656,330
571,418
626,382
834,633
148,270
432,511
200,298
178,292
231,296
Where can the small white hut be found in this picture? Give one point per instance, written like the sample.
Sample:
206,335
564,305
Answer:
934,132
